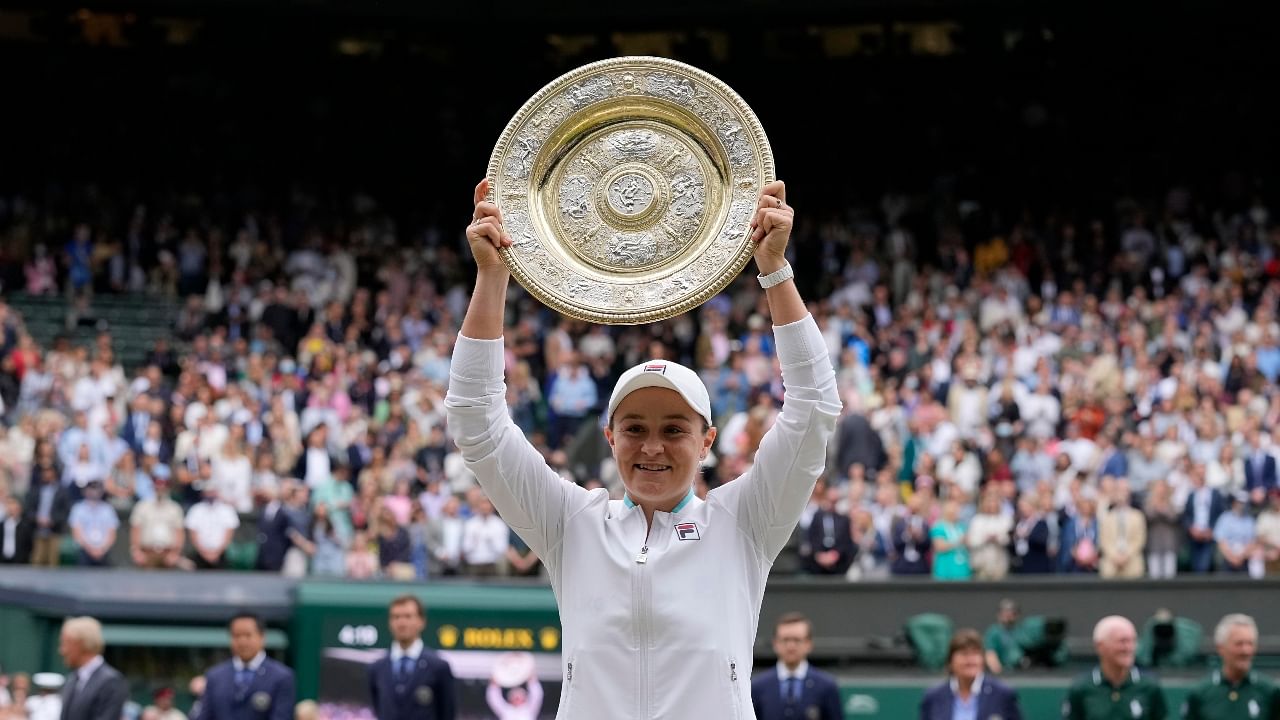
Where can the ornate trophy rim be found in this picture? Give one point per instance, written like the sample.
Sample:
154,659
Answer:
723,226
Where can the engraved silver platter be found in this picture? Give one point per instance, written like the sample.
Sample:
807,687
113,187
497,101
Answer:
628,186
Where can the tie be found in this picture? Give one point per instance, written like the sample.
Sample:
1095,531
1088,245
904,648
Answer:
243,676
793,689
406,664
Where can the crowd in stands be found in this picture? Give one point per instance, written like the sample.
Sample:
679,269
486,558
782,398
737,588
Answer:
1065,393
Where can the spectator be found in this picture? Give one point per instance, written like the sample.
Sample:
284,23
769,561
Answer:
233,472
444,538
871,559
1268,531
988,539
297,528
521,560
1079,552
156,527
212,524
362,557
1260,474
16,532
1236,536
856,442
395,556
1200,516
328,558
315,466
48,506
572,395
484,540
950,556
273,528
912,540
1032,539
1122,537
162,704
46,703
828,547
93,525
1164,531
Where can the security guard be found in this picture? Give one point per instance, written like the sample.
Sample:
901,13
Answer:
1115,689
249,686
1234,691
411,682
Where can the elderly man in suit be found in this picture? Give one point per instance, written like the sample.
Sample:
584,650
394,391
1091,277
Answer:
94,690
969,694
411,682
249,686
16,531
793,690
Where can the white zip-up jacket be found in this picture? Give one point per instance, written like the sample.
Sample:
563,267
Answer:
660,622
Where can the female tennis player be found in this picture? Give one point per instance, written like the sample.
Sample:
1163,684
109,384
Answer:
659,593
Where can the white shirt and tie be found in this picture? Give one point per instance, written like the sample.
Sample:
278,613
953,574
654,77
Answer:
791,682
245,672
403,660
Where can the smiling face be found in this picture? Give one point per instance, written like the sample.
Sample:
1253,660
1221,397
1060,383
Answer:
658,442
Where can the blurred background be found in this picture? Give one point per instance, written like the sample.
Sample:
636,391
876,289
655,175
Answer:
1038,239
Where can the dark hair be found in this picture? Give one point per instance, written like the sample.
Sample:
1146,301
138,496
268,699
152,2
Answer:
792,618
408,599
964,639
247,615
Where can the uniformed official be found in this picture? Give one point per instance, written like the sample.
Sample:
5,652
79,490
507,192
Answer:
793,690
411,682
1234,692
249,686
1115,689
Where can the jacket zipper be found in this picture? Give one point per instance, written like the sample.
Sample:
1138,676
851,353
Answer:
733,688
568,684
642,629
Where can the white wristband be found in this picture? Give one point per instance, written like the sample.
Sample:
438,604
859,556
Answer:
780,275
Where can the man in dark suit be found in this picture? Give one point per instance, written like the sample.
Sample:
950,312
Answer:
48,505
1204,506
857,442
969,693
1260,474
134,429
94,690
828,548
411,682
249,686
15,534
793,689
273,529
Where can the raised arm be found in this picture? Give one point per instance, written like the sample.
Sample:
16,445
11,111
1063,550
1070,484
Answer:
529,496
771,230
769,498
487,309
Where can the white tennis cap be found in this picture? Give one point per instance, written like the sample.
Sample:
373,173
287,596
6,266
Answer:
664,374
